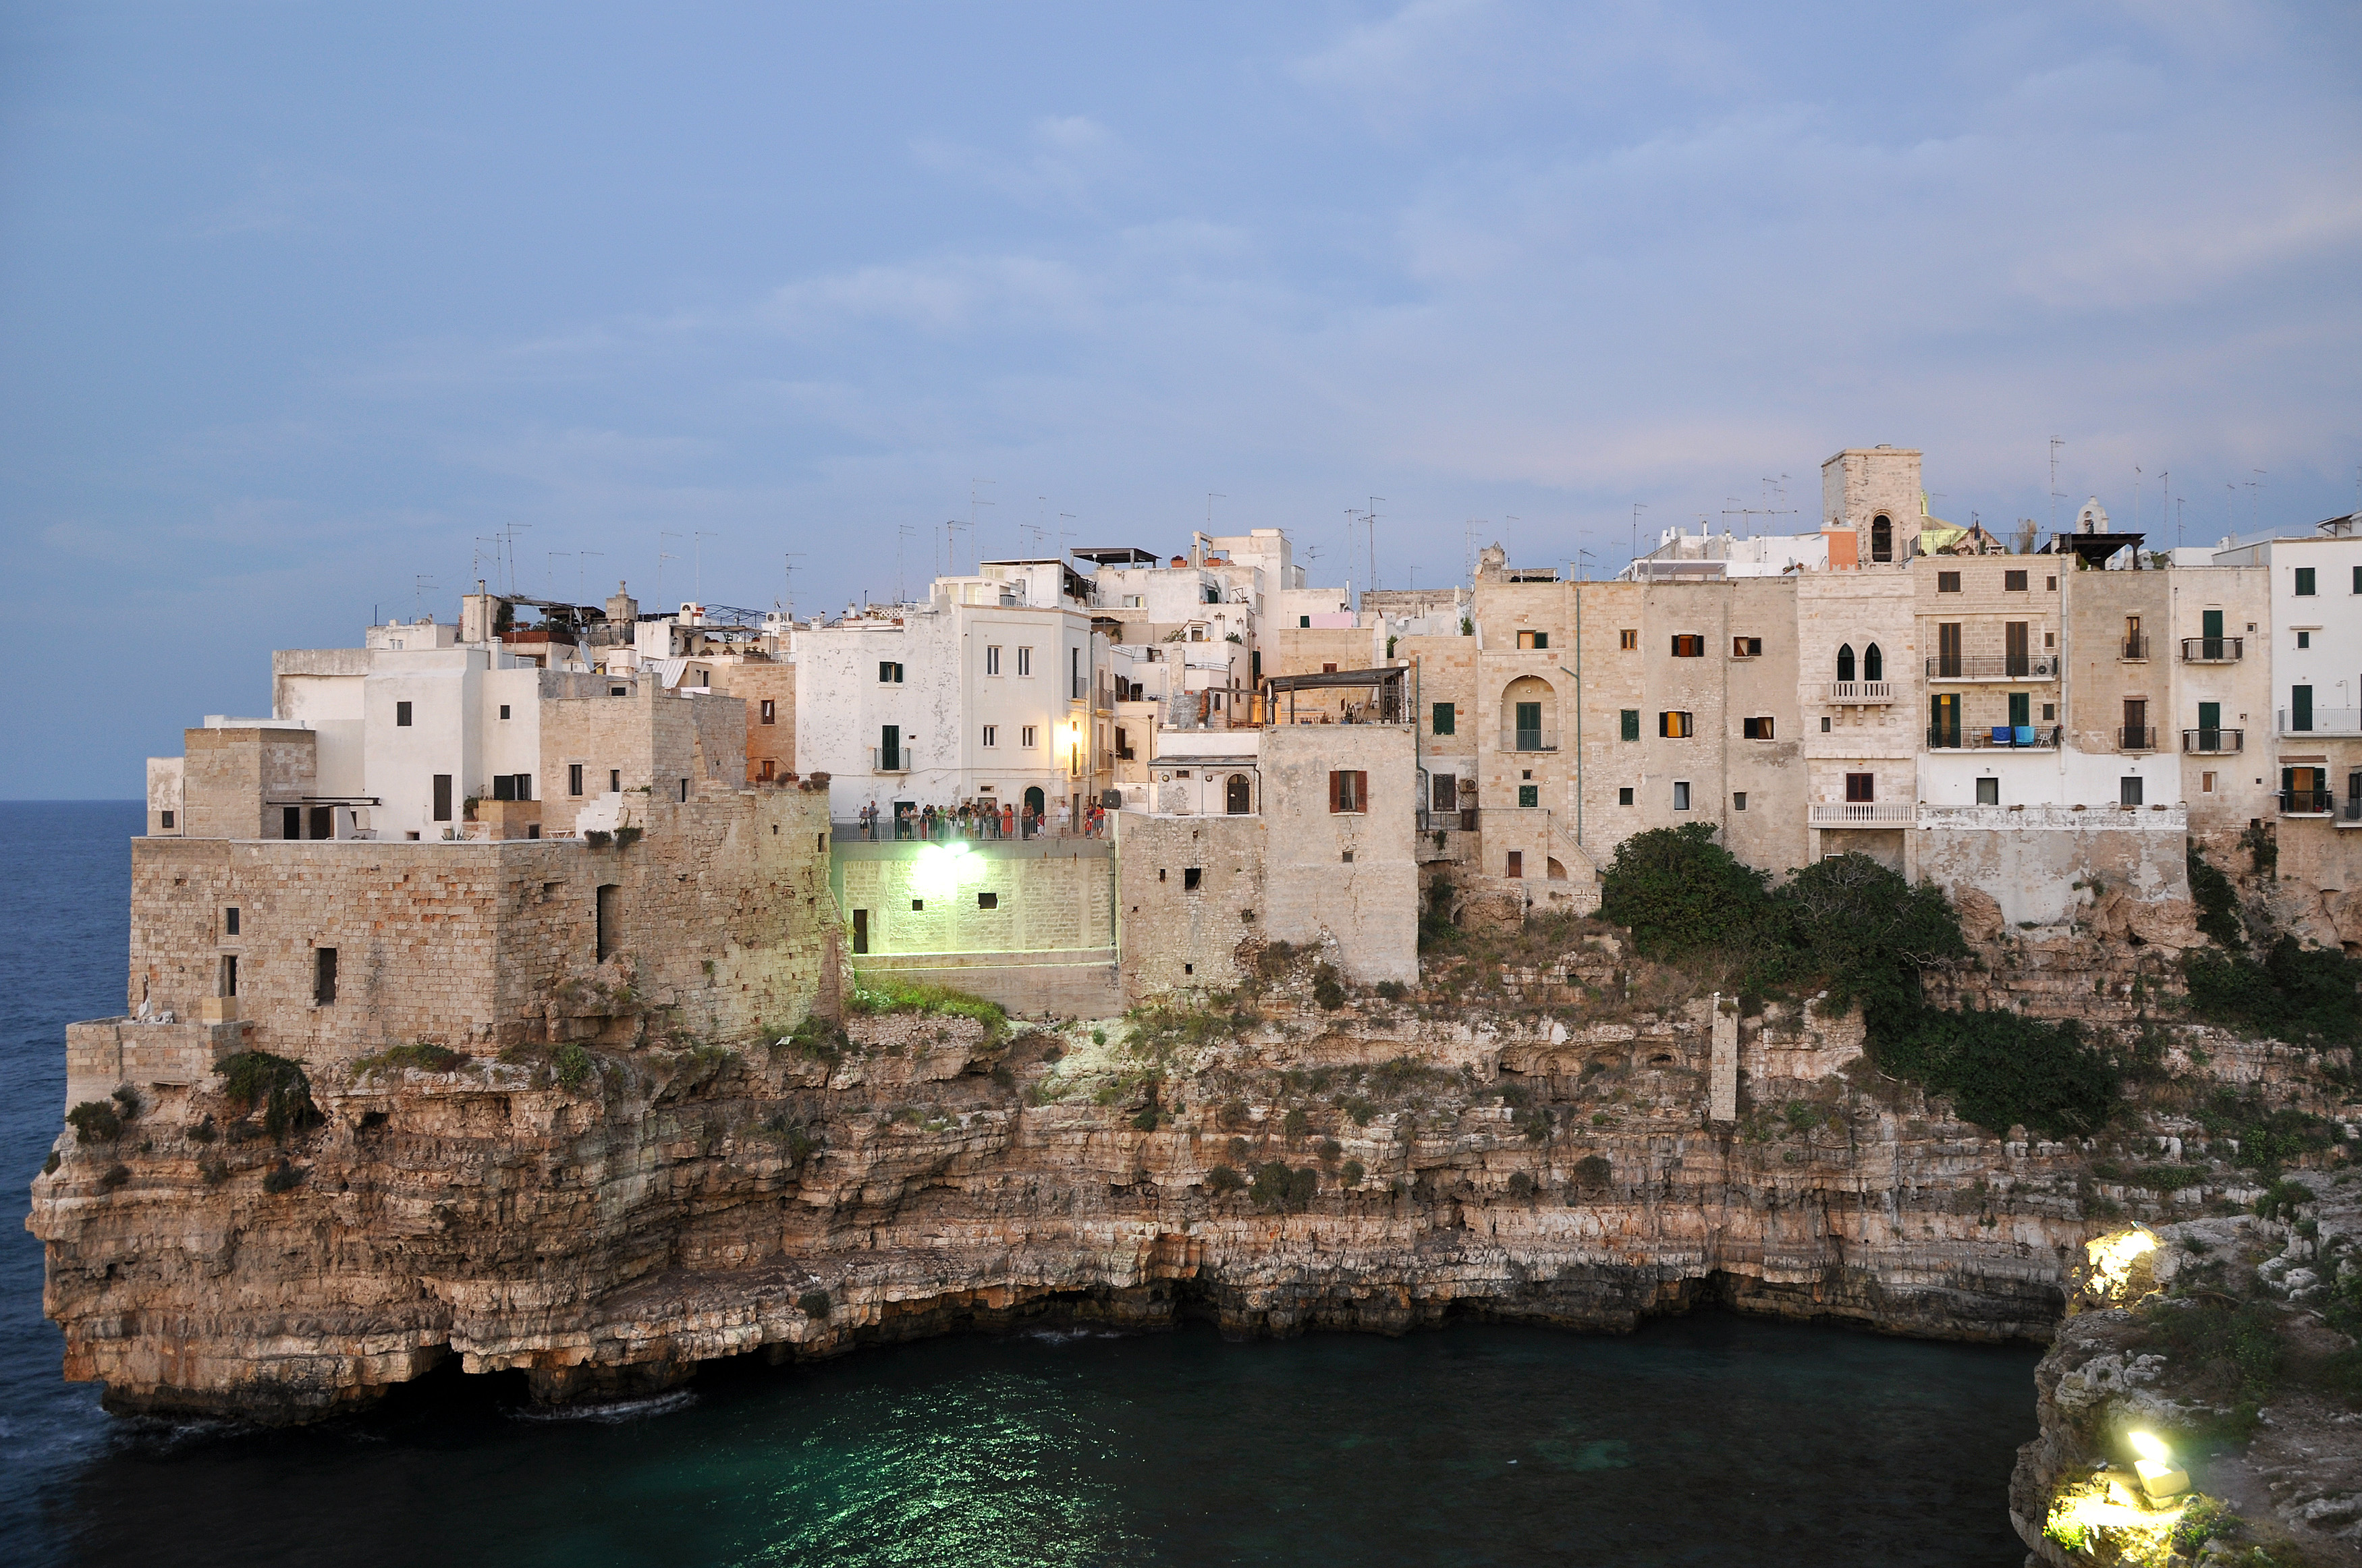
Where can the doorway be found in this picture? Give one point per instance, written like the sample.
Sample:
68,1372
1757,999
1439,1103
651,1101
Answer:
1239,797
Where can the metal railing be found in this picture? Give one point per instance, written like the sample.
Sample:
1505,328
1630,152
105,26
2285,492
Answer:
2351,812
2136,644
1859,813
2323,721
2008,666
1543,739
1995,737
2306,802
895,761
1861,692
2214,743
1458,820
2137,737
2212,650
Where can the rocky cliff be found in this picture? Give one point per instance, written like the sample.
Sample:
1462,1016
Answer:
1529,1142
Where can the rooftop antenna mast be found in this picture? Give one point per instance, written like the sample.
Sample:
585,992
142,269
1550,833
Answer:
511,534
1468,547
788,567
1063,535
973,502
1212,496
697,583
2055,444
580,568
1638,508
902,531
419,586
2256,485
663,555
1371,519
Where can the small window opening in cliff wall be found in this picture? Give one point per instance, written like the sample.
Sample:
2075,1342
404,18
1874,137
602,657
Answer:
230,921
610,919
861,931
324,976
227,982
1191,877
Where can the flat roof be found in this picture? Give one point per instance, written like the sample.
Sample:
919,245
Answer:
1117,555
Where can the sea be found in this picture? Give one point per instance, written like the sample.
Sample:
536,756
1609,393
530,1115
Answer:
1710,1439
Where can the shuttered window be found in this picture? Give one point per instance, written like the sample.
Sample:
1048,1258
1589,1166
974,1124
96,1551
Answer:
1349,791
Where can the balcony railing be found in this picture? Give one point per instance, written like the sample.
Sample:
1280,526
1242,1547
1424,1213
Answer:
2212,650
2137,737
2136,645
2214,743
1859,813
2349,815
1997,737
1545,739
2008,666
896,760
2323,721
1861,692
2307,802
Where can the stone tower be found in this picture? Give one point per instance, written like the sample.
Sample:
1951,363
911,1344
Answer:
1874,491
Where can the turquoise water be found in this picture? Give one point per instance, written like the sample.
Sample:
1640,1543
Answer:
1707,1439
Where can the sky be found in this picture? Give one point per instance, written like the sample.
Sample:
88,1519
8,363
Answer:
311,314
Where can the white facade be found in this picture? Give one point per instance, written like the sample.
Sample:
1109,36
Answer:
2316,635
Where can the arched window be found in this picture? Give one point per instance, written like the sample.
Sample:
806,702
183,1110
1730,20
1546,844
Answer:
1881,538
1873,664
1530,715
1844,662
1238,796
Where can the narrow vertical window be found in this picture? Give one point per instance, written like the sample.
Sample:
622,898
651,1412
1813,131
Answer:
1681,795
324,976
1447,719
442,797
608,915
992,662
770,711
229,920
1517,867
402,715
574,778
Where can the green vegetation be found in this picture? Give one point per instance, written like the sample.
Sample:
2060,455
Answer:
424,1055
1294,1124
1223,1180
817,1038
2217,901
1351,1174
282,1177
127,1100
2267,1139
1522,1185
1146,1120
890,993
1328,986
1279,1189
95,1122
49,1166
574,1065
1591,1173
258,1081
2238,1344
814,1304
2302,995
1858,930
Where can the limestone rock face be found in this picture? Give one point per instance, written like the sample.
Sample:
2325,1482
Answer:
805,1197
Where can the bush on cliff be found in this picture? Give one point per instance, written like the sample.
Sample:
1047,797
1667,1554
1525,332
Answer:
1681,893
2306,996
890,993
1279,1189
1223,1180
2217,901
277,1087
95,1122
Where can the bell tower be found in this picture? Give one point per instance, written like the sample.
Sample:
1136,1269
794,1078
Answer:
1874,491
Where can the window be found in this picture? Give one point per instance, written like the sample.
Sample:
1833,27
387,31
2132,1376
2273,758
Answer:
1191,875
619,691
2358,580
504,710
1873,664
768,773
987,900
861,931
1756,729
1947,583
1861,786
1529,795
1845,661
2050,711
684,791
918,906
402,715
1024,661
442,798
614,781
1025,737
1688,645
1881,538
167,818
2304,639
890,673
226,984
1533,639
1681,794
890,748
1349,791
1825,723
2013,582
1445,792
1747,648
1330,668
1988,791
1631,726
1447,719
2304,582
1346,859
2128,789
992,662
1738,800
1673,726
229,922
2207,783
992,734
770,711
1517,865
574,778
2050,585
1629,642
324,976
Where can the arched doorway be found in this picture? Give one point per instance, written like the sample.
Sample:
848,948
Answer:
1844,662
1239,798
1557,869
1530,715
1881,538
1873,664
1035,803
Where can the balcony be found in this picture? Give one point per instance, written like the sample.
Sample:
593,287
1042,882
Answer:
1861,693
896,760
2307,802
1999,737
1859,813
2322,722
2212,650
2214,743
2137,737
1530,740
2009,667
2350,814
2136,645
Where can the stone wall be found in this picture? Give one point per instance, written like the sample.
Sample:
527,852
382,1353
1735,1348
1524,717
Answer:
1347,877
646,741
2032,871
234,782
1174,935
773,743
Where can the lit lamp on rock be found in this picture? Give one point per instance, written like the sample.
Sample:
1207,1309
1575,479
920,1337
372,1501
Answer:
2160,1476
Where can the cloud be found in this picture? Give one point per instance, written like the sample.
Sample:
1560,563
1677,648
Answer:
1069,157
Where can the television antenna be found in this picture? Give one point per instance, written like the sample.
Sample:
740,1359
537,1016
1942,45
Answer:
697,583
663,555
580,567
2055,497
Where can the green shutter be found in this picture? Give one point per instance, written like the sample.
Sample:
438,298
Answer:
1530,794
1632,723
2299,707
1446,719
2211,625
